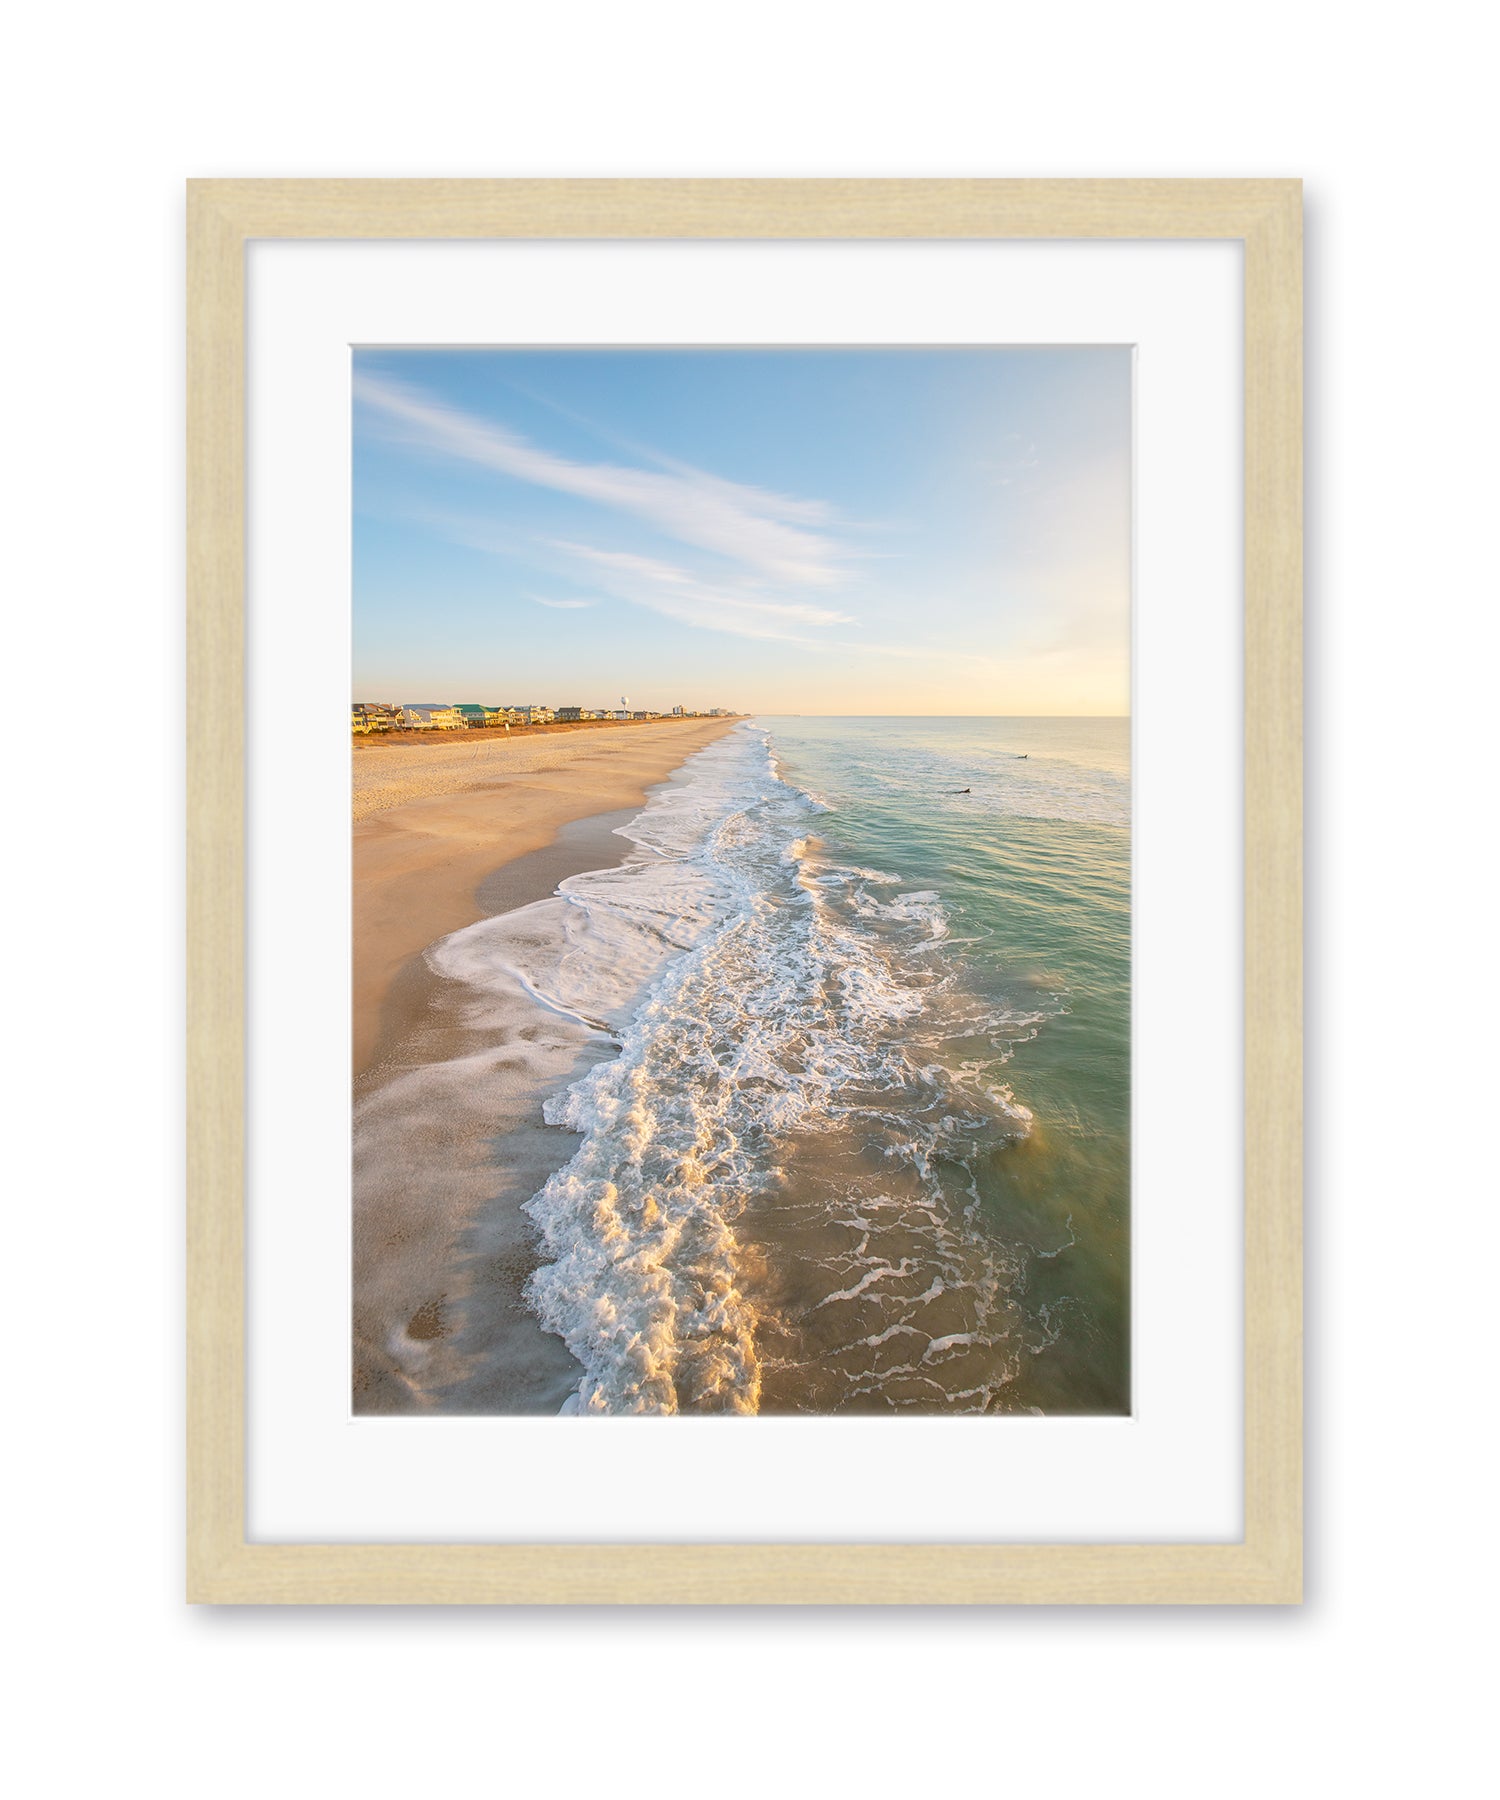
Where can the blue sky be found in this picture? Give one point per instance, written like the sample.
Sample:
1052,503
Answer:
913,531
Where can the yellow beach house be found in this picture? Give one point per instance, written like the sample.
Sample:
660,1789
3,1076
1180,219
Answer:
424,715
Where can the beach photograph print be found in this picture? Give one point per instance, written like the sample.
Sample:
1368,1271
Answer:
741,881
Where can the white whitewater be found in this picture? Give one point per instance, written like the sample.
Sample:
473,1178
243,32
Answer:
776,1014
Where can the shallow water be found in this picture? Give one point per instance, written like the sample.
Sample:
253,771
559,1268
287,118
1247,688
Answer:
855,1133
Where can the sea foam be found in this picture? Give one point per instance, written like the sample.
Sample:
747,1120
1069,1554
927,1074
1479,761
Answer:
781,1099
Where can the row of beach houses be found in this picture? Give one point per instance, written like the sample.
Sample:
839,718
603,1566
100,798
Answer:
428,715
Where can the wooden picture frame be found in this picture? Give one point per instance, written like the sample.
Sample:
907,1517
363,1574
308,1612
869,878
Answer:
1265,1567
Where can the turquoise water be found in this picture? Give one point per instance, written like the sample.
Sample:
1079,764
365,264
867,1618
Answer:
1032,867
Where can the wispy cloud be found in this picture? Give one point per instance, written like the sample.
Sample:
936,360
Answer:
770,534
1015,464
710,606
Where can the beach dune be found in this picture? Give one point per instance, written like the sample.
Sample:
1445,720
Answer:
446,834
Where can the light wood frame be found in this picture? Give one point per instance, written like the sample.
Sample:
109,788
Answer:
222,217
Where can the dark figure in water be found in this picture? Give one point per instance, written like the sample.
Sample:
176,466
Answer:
961,790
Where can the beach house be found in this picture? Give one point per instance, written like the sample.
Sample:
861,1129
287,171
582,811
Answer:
425,715
369,715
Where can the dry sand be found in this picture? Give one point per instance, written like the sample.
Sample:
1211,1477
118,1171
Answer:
448,1139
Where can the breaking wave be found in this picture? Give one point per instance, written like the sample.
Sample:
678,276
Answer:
774,1203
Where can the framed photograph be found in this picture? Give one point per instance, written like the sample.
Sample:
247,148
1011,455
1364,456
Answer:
763,1064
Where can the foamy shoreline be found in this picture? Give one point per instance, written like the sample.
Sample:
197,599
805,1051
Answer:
433,821
723,1124
447,836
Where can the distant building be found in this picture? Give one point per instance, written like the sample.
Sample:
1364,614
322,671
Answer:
678,712
471,714
369,715
569,713
426,715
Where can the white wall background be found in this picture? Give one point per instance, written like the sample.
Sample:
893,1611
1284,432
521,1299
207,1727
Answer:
1374,1686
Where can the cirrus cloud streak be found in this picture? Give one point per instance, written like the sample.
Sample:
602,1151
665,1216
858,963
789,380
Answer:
768,533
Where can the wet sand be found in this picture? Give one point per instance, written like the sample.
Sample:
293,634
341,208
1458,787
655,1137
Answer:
448,1139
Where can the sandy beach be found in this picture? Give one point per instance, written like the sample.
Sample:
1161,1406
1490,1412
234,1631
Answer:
433,820
447,834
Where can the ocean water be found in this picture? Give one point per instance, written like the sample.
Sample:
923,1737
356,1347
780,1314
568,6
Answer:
854,1132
